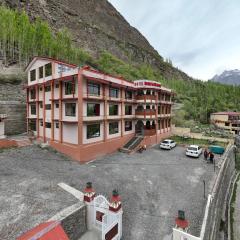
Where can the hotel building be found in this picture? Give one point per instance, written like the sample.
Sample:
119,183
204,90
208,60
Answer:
85,113
229,121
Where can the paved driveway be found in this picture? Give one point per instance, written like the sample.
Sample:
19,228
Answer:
153,186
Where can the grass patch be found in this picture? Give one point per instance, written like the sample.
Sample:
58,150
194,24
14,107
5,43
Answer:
194,141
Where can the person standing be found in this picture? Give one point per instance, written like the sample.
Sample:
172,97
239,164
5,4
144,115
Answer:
211,157
205,154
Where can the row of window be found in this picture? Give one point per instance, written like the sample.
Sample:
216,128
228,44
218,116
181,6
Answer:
48,72
94,89
94,130
93,109
70,108
69,89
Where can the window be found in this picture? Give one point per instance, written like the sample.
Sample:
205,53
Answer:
93,109
159,109
48,69
57,124
128,110
113,110
41,72
41,105
41,123
93,89
57,105
57,85
33,109
48,106
113,128
227,124
48,88
128,95
93,131
70,109
113,92
128,126
40,89
148,107
69,88
33,94
33,75
48,124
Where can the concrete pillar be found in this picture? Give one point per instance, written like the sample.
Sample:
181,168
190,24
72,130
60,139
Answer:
89,195
116,208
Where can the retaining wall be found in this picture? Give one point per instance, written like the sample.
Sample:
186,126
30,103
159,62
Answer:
216,210
73,220
12,103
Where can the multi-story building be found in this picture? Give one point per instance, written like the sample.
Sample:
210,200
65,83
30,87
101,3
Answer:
229,121
85,113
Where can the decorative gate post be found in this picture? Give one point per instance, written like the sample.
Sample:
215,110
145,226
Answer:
89,195
116,207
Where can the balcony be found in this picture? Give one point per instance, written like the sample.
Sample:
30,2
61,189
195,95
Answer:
146,98
148,113
149,132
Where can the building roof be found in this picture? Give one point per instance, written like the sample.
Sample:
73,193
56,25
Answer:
227,113
143,83
45,231
48,59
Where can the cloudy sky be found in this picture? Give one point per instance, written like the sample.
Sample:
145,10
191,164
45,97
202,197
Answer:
201,37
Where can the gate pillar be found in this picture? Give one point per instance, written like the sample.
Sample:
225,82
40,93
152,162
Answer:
116,208
89,195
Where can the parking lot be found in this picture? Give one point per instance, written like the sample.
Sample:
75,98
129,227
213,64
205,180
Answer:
153,186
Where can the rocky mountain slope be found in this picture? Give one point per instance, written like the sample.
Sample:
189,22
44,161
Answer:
231,77
96,26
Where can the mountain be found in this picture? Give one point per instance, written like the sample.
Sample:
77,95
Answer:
231,77
97,26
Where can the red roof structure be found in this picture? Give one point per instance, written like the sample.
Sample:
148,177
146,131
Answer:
45,231
227,113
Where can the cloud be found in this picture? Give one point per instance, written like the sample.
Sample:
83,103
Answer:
200,37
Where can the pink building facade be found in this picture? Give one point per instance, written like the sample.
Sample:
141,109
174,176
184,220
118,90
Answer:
85,113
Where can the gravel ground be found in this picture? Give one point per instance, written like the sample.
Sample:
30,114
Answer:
153,186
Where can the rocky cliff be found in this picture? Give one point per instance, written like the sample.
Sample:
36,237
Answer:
96,25
231,77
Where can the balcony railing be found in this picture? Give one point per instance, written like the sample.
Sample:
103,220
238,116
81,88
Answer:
149,132
145,97
147,112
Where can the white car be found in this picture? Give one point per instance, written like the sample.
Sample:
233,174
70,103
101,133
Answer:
167,144
194,151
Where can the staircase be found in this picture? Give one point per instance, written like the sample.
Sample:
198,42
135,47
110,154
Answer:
131,144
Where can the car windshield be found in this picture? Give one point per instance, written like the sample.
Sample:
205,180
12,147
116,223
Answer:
192,149
166,142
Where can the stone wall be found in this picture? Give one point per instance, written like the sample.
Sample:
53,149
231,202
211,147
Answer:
73,220
12,103
216,211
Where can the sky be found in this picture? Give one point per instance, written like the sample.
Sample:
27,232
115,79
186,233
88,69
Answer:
201,37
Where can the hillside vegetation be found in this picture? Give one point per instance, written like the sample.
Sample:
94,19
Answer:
21,39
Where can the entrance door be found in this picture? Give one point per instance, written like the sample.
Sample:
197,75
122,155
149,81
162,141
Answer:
139,128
